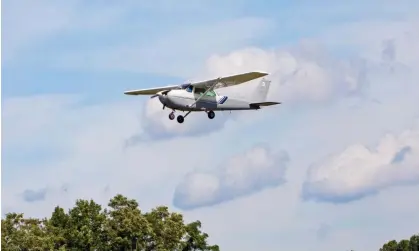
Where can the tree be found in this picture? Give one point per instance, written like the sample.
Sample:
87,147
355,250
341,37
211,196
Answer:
56,227
84,228
18,233
126,227
167,229
414,243
404,245
87,226
120,227
196,240
390,246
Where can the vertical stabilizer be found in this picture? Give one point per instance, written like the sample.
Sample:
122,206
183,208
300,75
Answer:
261,91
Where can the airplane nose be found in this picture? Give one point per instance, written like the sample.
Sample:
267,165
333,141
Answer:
162,99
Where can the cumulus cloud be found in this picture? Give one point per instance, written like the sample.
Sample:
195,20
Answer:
69,146
157,126
243,174
359,171
302,74
305,72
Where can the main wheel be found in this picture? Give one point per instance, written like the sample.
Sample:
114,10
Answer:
171,116
180,119
211,114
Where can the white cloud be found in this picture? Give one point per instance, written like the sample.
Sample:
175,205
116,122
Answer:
358,171
243,174
86,153
156,124
300,75
87,144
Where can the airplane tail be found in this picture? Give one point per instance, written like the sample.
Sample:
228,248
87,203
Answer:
261,91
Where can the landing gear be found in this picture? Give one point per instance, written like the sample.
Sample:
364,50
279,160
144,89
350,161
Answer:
211,114
180,119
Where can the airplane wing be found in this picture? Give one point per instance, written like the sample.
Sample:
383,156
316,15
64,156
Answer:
151,91
230,80
219,83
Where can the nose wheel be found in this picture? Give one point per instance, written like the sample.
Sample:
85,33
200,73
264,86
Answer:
180,119
211,114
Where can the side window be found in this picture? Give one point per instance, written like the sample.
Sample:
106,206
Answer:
211,94
199,91
189,89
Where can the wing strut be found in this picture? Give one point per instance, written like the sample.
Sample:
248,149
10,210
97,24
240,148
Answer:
216,81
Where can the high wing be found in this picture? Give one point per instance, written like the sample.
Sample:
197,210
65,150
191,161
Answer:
230,80
151,91
213,83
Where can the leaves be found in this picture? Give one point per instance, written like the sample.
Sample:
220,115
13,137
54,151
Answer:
18,233
121,226
403,245
87,226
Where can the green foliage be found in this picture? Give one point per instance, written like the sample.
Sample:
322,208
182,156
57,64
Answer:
404,245
122,226
86,226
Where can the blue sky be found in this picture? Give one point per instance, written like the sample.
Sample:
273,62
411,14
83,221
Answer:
346,73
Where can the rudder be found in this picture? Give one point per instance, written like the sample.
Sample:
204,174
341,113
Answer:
261,92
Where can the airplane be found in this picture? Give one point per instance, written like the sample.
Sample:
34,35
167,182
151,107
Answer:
201,96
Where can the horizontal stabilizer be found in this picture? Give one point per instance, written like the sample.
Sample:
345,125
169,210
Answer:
259,104
266,103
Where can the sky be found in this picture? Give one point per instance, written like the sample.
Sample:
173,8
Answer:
334,167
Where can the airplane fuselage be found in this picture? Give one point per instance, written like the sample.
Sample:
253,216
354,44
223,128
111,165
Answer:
186,101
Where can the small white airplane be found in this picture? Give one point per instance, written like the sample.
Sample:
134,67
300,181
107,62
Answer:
201,96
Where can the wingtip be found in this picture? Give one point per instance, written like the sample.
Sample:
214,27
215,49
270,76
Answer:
129,93
259,73
263,73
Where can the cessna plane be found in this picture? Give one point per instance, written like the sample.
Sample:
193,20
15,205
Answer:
201,96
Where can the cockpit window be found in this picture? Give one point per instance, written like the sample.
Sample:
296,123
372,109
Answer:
189,89
211,94
200,91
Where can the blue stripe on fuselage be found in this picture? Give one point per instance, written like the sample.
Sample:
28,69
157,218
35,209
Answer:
222,100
